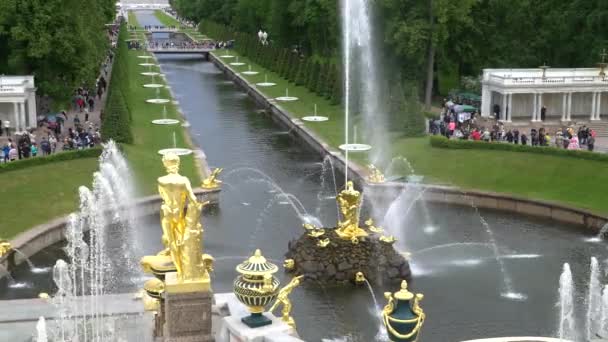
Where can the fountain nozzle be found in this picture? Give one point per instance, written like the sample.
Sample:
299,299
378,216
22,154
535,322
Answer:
360,278
5,248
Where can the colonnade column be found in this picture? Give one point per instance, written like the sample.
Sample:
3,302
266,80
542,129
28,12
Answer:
535,107
564,106
15,124
31,109
22,116
599,106
486,101
593,105
569,111
540,106
510,107
503,110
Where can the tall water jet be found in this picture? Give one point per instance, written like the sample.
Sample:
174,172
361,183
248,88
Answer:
566,305
106,213
594,299
41,335
604,315
361,75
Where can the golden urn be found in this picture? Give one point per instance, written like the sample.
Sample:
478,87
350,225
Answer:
256,287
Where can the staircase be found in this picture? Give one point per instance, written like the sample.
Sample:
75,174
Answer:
600,127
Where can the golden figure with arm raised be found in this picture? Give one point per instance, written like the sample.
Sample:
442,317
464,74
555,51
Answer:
180,221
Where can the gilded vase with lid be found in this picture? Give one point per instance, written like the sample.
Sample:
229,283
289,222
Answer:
402,316
256,287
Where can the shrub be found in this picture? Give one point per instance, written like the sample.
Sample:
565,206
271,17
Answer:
302,70
443,142
53,158
116,121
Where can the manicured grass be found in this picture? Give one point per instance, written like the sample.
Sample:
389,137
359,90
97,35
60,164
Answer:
170,21
34,195
143,155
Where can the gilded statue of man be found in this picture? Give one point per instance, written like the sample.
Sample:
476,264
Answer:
283,299
349,201
180,220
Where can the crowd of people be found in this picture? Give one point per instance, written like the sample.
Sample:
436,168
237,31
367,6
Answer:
82,134
451,125
158,27
180,44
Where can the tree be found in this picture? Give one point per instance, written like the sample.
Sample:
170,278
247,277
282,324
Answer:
302,69
313,76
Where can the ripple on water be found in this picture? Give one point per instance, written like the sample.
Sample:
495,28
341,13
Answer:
40,270
430,229
22,285
520,297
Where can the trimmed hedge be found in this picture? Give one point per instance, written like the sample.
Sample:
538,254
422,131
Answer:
440,141
318,74
53,158
116,121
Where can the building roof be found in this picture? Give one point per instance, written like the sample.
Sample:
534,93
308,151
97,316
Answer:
10,85
549,78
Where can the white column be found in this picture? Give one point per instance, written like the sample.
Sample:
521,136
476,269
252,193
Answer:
15,123
486,101
564,106
535,107
510,108
503,110
593,105
31,110
540,106
22,115
599,106
569,112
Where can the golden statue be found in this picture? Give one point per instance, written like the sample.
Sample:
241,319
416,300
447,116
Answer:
313,231
388,239
180,220
375,176
289,264
349,201
323,243
212,182
370,225
5,247
283,299
359,278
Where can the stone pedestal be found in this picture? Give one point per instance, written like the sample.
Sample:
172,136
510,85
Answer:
339,262
233,330
187,311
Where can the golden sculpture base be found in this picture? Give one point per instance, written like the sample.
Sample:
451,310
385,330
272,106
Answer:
174,285
348,235
157,265
210,187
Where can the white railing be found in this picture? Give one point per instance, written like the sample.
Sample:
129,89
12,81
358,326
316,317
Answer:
177,49
571,80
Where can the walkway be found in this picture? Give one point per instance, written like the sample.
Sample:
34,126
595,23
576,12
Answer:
94,116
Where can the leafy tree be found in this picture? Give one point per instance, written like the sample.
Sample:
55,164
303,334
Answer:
302,70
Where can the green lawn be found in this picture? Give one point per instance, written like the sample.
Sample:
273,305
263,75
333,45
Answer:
34,195
149,138
581,183
170,21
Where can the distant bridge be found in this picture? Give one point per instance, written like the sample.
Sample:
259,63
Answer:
179,50
158,30
143,4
